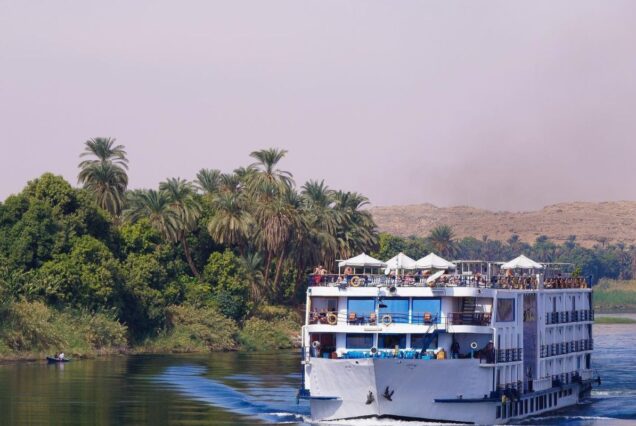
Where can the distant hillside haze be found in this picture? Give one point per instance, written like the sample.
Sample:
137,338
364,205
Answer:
592,223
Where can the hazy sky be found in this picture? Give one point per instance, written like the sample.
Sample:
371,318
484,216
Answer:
498,104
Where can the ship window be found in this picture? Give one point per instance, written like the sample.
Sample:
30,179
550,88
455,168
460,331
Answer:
423,306
359,341
532,404
362,308
505,310
398,309
417,341
498,415
525,406
390,341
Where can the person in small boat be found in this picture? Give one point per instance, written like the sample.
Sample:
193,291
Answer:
60,356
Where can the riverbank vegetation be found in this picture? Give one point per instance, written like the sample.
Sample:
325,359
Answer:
614,320
209,264
218,262
615,296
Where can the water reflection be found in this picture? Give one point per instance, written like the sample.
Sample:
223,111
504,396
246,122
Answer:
244,389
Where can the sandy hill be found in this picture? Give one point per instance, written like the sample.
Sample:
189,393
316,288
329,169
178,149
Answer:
590,222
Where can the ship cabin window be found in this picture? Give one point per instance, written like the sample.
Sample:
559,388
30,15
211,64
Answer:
359,341
525,406
498,412
417,341
531,404
505,310
360,311
426,311
397,310
390,341
327,344
321,307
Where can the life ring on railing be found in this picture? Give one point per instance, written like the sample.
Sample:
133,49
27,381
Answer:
386,319
355,281
473,345
315,344
332,319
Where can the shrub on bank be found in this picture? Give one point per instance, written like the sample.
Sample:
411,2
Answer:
194,329
261,335
28,326
33,327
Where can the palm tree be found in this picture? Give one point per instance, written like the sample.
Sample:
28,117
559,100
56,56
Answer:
356,230
231,223
107,182
276,219
105,175
253,266
321,245
442,238
105,150
183,201
209,181
268,181
154,206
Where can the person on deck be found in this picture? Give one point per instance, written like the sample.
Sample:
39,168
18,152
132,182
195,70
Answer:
455,349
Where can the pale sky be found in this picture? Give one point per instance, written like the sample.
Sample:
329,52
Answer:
497,104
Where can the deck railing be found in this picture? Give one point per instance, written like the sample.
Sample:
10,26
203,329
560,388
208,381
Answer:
469,318
373,318
568,317
495,282
563,348
509,355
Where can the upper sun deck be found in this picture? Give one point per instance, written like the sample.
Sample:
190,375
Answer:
454,281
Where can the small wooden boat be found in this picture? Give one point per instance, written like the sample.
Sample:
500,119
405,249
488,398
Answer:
53,360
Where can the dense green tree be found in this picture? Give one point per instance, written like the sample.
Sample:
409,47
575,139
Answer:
86,277
225,273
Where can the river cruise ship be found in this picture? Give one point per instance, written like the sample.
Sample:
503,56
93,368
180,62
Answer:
469,341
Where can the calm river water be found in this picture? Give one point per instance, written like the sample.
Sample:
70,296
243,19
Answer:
245,389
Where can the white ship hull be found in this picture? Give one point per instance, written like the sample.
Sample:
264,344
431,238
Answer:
449,391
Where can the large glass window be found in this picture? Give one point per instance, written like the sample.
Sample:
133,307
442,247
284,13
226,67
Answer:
359,341
390,341
361,306
505,310
426,311
398,309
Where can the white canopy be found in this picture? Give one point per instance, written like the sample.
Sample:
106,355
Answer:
362,261
522,262
433,261
400,261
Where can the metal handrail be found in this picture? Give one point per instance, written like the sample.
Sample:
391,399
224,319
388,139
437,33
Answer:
455,280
